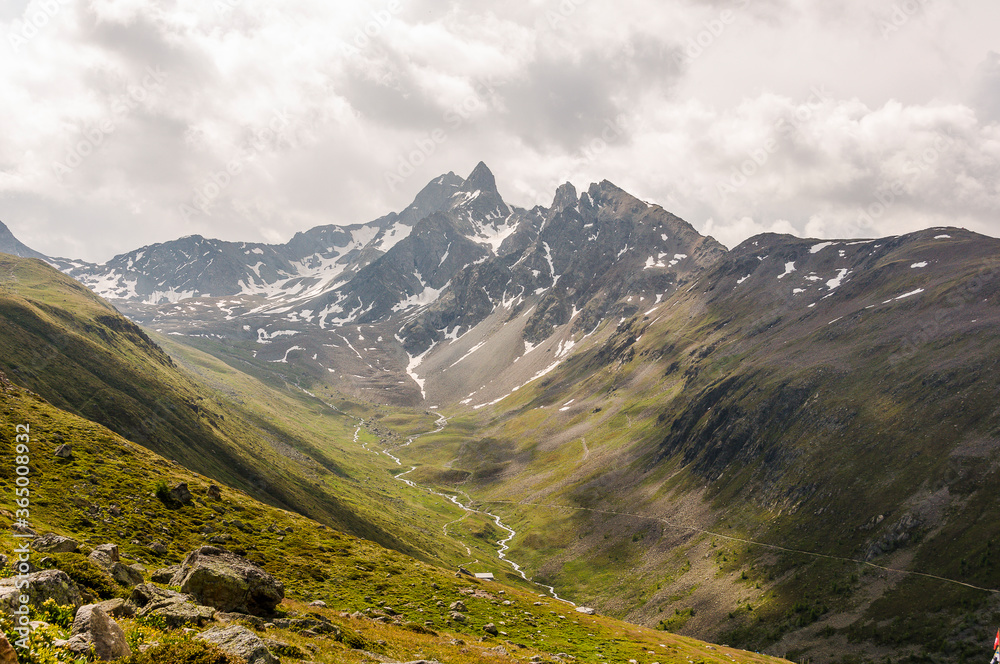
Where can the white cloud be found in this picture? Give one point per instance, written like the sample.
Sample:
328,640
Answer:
316,103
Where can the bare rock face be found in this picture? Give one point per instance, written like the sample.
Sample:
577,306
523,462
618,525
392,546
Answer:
242,642
93,627
228,582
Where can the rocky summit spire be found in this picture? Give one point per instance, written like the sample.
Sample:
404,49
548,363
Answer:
480,178
565,196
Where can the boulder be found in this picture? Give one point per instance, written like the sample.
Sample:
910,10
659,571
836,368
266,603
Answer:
111,550
51,583
240,641
318,603
64,451
94,627
52,543
228,582
158,548
213,492
176,609
490,628
163,575
180,494
7,653
117,608
108,560
586,610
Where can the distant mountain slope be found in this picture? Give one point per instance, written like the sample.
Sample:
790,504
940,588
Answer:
746,447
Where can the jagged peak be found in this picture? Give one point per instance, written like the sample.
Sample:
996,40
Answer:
480,178
565,196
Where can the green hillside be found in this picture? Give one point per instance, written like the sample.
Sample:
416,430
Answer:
106,492
742,467
279,444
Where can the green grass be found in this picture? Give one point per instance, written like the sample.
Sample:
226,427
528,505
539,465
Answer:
313,561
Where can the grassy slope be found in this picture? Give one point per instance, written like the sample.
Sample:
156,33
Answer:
279,444
74,496
769,424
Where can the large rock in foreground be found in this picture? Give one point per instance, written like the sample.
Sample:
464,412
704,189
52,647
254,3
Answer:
228,582
240,641
94,628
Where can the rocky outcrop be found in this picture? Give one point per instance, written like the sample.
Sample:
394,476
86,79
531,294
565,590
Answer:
53,583
242,642
228,582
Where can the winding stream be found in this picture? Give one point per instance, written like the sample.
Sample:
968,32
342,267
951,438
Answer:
503,545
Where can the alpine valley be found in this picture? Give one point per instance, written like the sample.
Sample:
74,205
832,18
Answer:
790,447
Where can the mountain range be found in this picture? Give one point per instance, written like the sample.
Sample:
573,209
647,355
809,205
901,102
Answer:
789,446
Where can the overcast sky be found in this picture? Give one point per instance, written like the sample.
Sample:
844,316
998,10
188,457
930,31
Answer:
128,122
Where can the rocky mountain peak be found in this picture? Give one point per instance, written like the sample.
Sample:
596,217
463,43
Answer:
431,198
480,178
565,197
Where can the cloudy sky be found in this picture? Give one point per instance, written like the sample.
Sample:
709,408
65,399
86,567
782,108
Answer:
127,122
